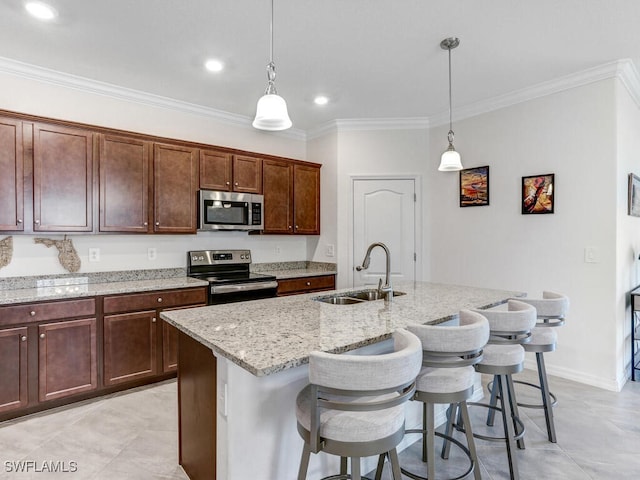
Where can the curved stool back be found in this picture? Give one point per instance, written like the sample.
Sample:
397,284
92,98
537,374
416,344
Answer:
353,406
551,311
504,356
447,377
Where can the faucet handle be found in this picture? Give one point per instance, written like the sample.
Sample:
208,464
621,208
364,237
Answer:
360,268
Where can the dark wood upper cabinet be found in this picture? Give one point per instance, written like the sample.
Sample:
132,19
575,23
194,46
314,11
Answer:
278,192
215,170
175,183
306,199
247,174
291,198
11,175
124,184
62,179
227,172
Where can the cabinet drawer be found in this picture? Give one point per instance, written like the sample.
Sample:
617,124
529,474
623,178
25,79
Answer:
306,284
37,312
152,300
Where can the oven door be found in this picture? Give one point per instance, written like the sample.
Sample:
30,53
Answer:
240,292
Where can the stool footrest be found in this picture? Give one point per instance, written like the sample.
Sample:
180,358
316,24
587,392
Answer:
472,464
536,405
519,433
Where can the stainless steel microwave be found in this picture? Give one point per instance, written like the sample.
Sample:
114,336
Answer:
230,211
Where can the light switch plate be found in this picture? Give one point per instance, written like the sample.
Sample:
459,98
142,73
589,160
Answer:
591,255
94,254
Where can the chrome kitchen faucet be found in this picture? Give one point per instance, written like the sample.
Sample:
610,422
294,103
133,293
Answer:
386,288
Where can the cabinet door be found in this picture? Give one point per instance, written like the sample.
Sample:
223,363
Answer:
11,176
124,184
215,170
169,348
278,193
67,358
13,368
306,200
247,174
129,347
62,179
175,178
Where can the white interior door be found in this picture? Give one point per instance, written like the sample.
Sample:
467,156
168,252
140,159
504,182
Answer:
384,211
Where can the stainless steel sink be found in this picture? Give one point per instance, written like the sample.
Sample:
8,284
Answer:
350,298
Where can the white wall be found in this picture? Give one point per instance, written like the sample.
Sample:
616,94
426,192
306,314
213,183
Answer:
571,134
381,153
628,227
126,252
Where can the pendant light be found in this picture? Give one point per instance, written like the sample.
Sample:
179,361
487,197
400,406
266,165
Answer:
450,160
271,112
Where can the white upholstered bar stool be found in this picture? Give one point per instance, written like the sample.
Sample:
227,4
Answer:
354,404
503,356
551,310
447,377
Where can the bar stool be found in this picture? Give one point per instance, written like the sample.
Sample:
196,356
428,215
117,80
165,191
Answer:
353,406
502,357
447,377
551,310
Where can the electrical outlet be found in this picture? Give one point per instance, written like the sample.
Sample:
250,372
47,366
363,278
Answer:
94,254
152,253
330,250
278,250
591,255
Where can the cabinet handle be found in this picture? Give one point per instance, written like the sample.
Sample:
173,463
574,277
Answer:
157,224
19,221
296,227
227,183
32,313
37,222
153,319
159,299
23,338
236,184
308,284
42,335
145,224
289,227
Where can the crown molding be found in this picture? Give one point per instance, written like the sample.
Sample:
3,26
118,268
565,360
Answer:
96,87
624,69
370,124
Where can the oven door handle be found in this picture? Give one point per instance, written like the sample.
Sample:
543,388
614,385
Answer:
243,287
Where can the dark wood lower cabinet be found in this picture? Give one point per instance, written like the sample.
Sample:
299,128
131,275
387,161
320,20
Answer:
129,346
13,369
169,348
67,358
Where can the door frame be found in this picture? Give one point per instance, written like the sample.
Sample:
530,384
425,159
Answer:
419,248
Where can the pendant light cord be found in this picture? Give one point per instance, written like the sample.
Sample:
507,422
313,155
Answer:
271,32
450,114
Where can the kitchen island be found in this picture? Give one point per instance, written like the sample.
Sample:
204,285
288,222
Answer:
241,366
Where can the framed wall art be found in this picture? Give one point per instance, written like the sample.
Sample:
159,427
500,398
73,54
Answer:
538,194
474,186
634,195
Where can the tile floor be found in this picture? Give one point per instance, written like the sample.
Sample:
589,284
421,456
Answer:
133,436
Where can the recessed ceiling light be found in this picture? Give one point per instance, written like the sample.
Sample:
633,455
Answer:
214,65
41,11
321,100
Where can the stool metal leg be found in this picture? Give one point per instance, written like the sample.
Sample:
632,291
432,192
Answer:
471,445
395,464
507,420
355,468
452,413
304,462
514,409
343,465
546,397
493,402
431,442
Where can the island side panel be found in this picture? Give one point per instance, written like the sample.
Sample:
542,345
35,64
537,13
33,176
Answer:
196,408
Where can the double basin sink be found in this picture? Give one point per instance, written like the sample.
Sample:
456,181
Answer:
350,298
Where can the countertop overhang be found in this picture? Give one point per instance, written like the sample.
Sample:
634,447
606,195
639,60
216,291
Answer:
271,335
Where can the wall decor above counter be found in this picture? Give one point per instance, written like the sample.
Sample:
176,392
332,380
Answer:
74,178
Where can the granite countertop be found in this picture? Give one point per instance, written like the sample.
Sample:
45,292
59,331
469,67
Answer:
68,286
267,336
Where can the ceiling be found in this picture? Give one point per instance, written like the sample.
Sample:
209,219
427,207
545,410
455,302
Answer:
373,58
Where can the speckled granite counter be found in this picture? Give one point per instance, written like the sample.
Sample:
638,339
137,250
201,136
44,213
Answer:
267,336
55,287
285,270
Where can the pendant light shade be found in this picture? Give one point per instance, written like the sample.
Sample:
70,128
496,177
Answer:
450,160
271,111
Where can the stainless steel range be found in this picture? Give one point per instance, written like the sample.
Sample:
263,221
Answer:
227,272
